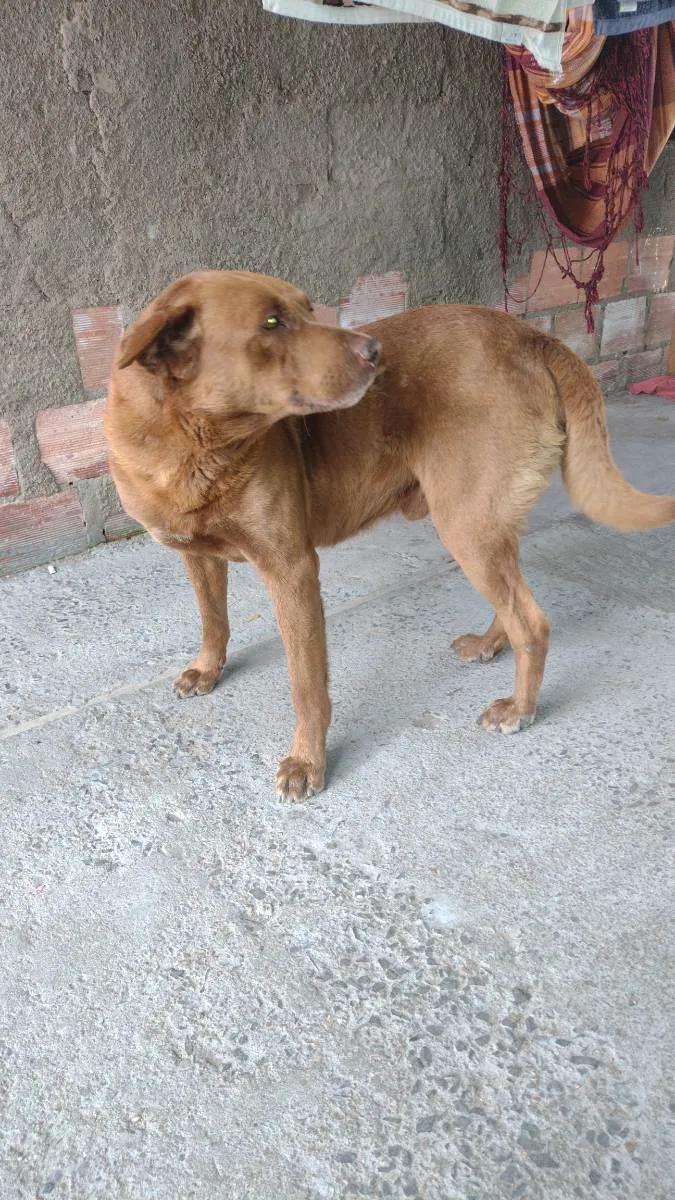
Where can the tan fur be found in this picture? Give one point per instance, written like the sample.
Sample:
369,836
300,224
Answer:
593,480
234,437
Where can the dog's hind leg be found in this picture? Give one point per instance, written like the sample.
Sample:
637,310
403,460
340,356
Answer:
475,647
478,509
491,565
487,552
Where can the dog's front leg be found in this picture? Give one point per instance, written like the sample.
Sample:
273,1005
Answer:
209,579
294,588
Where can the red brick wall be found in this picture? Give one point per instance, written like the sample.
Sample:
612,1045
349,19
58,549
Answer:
633,322
70,443
633,330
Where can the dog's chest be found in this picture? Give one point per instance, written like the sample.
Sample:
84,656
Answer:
219,545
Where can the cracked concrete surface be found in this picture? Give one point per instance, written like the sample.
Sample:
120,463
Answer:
448,977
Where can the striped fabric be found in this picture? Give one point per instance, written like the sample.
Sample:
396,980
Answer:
575,123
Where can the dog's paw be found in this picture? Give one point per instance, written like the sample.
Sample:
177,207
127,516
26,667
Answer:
193,682
297,780
503,717
475,648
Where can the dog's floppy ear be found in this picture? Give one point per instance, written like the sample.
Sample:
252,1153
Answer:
166,337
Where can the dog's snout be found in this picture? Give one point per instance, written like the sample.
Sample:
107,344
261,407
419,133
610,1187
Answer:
369,349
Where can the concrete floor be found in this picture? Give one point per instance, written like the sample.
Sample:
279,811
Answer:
447,977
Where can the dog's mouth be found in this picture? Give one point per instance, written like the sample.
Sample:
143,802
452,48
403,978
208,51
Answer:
302,404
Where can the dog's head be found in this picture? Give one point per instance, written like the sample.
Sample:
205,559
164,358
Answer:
225,343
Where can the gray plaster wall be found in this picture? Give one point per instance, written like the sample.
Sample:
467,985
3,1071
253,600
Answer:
140,141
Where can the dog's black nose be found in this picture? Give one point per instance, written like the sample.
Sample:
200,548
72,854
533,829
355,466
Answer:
369,349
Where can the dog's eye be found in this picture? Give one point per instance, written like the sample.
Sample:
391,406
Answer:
272,323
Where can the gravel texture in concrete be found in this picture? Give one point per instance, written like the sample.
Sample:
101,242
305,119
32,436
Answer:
447,977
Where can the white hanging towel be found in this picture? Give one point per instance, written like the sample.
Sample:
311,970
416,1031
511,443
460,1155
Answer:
538,25
347,13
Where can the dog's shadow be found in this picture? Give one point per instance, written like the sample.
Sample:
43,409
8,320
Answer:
254,657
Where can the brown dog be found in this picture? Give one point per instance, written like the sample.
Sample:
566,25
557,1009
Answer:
236,432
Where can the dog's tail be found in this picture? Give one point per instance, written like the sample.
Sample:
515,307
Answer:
591,476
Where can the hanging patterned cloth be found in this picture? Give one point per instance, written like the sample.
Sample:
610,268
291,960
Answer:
591,134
